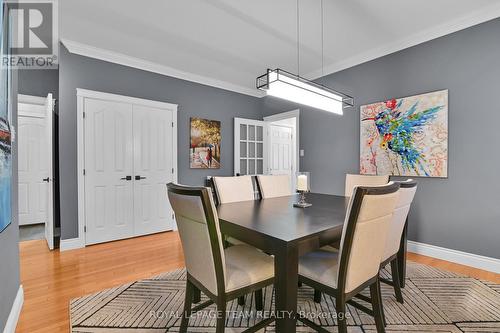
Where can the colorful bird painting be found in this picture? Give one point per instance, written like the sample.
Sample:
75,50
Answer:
398,124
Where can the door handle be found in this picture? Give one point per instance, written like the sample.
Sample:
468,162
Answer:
138,177
126,178
46,179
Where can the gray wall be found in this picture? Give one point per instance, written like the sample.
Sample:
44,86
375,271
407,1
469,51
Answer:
39,82
463,211
9,238
194,100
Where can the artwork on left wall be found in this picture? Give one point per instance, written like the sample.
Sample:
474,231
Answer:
6,130
204,147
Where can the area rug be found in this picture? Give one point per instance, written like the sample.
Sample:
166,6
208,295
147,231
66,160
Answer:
435,301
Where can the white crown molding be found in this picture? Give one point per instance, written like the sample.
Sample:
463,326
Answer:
474,18
10,325
459,257
122,59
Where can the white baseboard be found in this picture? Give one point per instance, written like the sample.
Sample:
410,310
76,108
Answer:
459,257
10,326
71,244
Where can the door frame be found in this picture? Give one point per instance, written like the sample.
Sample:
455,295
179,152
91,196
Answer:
36,107
82,94
282,116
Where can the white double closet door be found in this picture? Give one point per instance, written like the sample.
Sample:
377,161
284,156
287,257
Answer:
128,162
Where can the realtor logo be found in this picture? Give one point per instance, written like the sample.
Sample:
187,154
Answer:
34,40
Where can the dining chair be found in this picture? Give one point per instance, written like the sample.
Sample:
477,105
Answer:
234,189
222,274
343,274
396,228
352,180
272,186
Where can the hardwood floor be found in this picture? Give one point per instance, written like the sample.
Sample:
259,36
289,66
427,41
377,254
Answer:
51,279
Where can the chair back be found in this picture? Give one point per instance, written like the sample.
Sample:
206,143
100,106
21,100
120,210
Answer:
406,194
364,234
272,186
233,189
352,180
201,240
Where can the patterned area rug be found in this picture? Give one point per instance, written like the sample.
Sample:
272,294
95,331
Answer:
435,301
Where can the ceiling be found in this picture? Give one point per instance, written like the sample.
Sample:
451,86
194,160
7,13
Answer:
228,43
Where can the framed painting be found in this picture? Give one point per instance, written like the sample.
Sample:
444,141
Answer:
405,136
6,131
204,149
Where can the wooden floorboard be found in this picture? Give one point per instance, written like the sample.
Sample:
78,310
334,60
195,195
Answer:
51,279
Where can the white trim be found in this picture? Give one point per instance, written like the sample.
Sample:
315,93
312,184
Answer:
72,243
30,99
459,257
287,115
123,99
122,59
15,311
472,19
80,241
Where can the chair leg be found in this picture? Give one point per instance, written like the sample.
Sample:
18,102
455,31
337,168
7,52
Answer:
241,300
259,305
381,302
196,295
188,299
221,316
340,307
377,307
395,280
317,296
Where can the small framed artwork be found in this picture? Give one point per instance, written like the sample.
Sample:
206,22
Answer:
205,144
405,136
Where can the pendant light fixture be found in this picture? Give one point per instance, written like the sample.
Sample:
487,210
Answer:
285,85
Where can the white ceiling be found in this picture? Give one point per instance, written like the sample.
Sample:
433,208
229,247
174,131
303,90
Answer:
228,43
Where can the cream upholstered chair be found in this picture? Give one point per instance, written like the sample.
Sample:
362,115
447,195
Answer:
229,190
352,180
345,273
272,186
233,189
222,274
393,242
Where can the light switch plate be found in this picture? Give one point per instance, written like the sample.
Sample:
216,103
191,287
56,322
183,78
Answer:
301,153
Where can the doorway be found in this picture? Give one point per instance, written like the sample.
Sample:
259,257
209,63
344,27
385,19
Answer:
35,166
282,144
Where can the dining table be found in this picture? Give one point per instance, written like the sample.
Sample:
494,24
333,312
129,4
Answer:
278,228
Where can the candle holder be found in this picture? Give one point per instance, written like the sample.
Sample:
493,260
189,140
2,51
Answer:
303,186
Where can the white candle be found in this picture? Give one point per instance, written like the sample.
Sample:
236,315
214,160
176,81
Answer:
302,183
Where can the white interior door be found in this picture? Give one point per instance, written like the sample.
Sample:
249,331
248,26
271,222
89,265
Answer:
35,135
49,131
153,169
33,169
109,203
249,147
281,150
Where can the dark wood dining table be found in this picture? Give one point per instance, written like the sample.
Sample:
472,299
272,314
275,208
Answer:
278,228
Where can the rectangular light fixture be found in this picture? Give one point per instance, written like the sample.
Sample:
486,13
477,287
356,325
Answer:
282,84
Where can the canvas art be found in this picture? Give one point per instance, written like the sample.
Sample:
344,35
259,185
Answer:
5,134
205,144
406,136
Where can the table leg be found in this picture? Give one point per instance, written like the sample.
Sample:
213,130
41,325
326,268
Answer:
402,256
285,284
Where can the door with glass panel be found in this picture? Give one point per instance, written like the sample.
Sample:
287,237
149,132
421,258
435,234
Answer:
249,147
